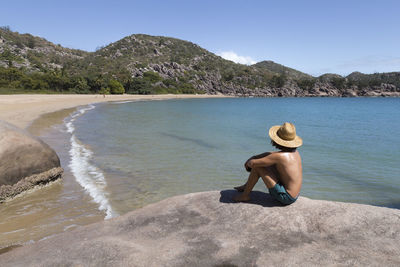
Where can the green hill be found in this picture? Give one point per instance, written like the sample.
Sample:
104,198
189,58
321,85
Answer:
166,64
281,69
145,64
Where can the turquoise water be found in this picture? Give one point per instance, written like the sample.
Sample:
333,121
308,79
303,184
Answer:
147,151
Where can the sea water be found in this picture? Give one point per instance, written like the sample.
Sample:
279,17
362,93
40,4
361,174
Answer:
136,153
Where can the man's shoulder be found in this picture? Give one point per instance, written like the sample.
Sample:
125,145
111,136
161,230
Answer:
283,155
286,155
276,155
273,154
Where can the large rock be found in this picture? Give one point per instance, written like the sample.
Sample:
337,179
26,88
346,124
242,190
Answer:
207,229
23,155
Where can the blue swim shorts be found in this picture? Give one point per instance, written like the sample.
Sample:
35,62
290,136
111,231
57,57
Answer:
279,193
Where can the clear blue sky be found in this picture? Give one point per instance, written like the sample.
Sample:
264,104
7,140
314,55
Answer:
312,36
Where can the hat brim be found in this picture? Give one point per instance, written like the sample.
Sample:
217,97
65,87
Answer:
273,134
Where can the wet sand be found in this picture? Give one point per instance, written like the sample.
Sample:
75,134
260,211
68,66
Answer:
61,205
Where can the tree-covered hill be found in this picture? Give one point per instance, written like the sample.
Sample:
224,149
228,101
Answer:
160,64
147,64
281,69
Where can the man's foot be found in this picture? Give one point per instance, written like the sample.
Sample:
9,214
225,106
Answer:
240,188
241,198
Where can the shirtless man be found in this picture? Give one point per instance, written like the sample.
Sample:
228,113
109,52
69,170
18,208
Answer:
281,171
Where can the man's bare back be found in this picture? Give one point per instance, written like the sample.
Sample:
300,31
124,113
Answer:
290,171
281,171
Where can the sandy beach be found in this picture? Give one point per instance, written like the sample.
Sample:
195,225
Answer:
22,110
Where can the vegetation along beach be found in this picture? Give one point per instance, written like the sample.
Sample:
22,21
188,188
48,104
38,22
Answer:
124,141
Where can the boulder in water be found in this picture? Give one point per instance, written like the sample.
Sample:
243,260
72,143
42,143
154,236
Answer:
21,156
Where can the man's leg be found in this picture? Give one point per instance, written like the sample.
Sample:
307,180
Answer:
269,176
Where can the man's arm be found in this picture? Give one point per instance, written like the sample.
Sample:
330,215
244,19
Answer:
266,161
262,155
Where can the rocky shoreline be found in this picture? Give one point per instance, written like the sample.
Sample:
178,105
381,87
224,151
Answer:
291,89
318,92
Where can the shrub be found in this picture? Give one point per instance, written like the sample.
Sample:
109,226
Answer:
277,81
27,83
170,83
306,84
80,85
152,77
116,87
135,85
227,76
104,91
40,85
339,83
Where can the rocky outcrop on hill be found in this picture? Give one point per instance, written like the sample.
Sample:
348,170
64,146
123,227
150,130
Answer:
208,229
25,161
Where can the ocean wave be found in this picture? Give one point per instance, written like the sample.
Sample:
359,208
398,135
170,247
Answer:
90,177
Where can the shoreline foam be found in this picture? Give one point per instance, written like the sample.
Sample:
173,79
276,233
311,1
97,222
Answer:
90,177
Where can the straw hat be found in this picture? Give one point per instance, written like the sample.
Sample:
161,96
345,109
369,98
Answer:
285,135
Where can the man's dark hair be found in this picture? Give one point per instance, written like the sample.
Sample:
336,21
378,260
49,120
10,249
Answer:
283,148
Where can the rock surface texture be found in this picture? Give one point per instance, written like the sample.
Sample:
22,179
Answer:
207,229
23,155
